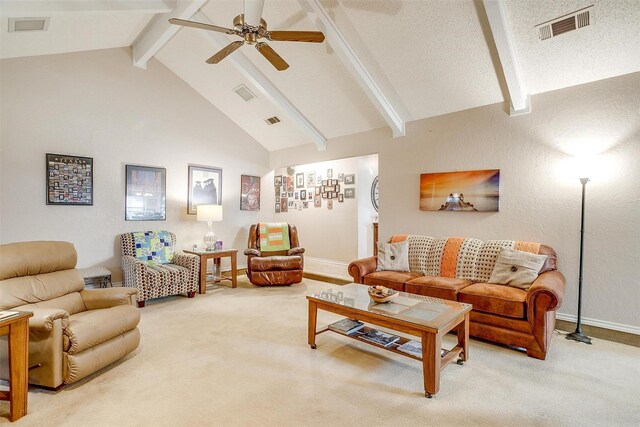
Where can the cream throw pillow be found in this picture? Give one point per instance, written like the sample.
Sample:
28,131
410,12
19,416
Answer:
393,256
516,268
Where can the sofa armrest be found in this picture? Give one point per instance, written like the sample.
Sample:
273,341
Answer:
361,267
252,252
43,318
132,268
295,251
107,297
547,289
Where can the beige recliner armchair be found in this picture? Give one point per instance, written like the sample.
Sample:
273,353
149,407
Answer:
74,332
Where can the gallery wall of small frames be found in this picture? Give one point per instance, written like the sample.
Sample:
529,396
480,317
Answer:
312,189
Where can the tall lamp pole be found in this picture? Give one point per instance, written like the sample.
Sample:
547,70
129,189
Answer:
578,335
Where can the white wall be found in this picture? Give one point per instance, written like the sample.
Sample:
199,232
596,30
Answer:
539,188
96,104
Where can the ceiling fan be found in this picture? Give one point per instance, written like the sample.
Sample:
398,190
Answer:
251,28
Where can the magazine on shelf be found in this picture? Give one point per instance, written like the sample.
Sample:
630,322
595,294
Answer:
414,348
378,337
346,326
6,313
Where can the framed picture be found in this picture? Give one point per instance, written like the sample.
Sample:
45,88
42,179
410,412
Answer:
317,201
303,194
277,206
300,180
146,198
325,182
250,193
349,193
295,195
330,204
329,173
69,180
340,177
445,191
340,198
318,189
309,195
277,181
318,179
311,179
284,205
205,187
350,179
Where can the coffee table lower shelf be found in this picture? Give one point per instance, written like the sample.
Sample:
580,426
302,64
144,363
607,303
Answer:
446,356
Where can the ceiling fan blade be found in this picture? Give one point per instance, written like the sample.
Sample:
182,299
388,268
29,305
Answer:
201,25
271,55
296,36
226,51
253,11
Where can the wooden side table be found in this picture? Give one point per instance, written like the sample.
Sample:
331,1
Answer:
17,328
216,256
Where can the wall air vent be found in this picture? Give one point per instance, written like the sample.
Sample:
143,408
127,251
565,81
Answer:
244,93
566,23
28,24
272,120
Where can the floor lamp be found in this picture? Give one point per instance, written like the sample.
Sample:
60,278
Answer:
578,335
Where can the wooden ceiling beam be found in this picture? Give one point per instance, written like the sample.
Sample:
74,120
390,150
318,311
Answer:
501,30
391,111
159,31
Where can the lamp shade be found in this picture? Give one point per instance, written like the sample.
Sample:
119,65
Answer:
209,213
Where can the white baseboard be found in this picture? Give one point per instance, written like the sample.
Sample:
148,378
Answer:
600,323
327,267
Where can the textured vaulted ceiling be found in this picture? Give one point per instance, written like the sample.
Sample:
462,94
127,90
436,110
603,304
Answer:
431,57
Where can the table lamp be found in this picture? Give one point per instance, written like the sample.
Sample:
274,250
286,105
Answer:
209,213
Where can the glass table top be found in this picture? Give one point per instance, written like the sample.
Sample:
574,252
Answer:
417,309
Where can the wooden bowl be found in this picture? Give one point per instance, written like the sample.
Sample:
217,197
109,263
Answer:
380,294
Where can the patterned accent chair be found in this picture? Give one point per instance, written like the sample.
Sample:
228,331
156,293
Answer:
164,270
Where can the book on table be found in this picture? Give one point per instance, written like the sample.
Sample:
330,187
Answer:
414,348
7,313
346,326
382,338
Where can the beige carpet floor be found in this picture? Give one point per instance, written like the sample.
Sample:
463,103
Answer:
238,357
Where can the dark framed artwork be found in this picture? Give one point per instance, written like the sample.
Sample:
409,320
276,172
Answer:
69,180
303,194
205,187
350,179
145,189
445,191
277,180
250,193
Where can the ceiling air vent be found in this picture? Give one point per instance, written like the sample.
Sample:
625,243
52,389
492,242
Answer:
272,120
244,93
566,23
28,24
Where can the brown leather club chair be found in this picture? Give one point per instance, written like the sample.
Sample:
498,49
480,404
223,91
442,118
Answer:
274,268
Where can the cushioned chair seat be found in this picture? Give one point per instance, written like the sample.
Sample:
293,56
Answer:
90,328
276,263
437,287
166,273
390,279
496,299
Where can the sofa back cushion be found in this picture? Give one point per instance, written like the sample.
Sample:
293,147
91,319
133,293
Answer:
464,258
30,258
40,287
31,272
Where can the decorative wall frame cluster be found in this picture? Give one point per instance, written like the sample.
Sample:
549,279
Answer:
69,180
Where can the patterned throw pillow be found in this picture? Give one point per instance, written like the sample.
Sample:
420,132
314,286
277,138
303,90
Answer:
153,247
393,256
516,268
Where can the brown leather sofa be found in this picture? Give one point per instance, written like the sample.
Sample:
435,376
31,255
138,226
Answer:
74,332
274,268
458,269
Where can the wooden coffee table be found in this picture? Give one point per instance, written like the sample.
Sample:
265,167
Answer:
424,317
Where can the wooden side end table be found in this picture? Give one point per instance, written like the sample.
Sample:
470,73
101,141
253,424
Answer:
216,256
17,329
